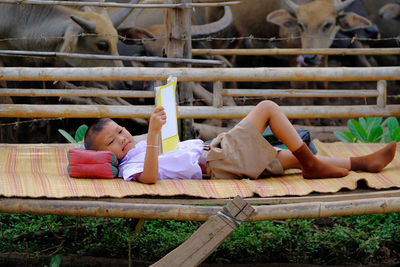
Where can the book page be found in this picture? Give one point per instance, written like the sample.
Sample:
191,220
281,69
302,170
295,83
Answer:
167,99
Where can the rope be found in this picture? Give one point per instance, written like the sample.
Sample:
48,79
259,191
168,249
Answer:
226,214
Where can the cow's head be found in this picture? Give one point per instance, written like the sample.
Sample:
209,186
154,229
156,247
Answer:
316,23
93,33
390,11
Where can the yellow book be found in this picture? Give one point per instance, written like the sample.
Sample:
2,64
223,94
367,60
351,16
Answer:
167,99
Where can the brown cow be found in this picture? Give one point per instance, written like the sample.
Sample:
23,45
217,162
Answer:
317,23
249,20
60,29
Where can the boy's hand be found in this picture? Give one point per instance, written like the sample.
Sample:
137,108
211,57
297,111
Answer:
157,119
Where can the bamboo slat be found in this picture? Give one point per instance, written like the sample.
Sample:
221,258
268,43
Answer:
299,93
187,112
339,196
76,92
196,213
118,5
200,74
382,97
110,57
298,51
225,92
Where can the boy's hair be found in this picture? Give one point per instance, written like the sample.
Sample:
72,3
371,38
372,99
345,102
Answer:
93,130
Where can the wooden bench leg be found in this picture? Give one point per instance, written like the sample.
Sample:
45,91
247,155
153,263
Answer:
209,236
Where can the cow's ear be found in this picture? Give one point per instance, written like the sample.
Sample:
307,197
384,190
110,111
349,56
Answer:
130,35
283,18
70,41
349,21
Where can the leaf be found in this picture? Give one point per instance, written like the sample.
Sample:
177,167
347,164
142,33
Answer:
341,136
351,137
67,136
357,130
363,122
80,133
55,261
387,138
344,137
395,136
372,123
393,124
375,136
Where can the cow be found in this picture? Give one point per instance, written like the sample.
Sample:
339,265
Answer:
60,29
157,32
389,29
317,23
153,41
283,17
390,11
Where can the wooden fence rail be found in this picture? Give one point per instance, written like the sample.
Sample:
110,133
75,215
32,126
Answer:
188,112
200,74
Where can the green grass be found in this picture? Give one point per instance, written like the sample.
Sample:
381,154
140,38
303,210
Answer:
336,240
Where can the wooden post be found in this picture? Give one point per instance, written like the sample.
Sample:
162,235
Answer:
209,236
381,99
179,45
217,95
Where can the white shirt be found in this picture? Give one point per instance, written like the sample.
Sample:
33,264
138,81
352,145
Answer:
181,163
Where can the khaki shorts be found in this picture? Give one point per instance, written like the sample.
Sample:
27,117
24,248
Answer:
242,152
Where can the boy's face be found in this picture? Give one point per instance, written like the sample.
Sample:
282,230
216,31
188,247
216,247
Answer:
114,138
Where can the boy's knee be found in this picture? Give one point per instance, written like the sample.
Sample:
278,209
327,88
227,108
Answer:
268,105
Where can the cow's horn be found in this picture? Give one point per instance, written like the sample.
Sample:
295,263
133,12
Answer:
292,6
88,26
121,15
343,5
215,26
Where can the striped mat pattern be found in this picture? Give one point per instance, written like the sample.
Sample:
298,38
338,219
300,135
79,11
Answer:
41,171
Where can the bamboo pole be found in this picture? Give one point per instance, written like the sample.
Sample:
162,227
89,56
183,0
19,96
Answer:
298,51
339,196
299,93
382,96
225,92
217,95
190,112
76,92
196,213
200,74
110,57
118,5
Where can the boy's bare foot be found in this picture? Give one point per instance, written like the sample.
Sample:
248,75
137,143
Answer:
376,161
313,168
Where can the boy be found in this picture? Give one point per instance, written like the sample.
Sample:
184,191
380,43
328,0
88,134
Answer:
240,152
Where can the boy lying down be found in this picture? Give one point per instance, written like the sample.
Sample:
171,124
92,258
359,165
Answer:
242,152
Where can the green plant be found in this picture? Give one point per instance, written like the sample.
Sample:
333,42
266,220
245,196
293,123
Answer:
55,261
79,134
393,133
370,130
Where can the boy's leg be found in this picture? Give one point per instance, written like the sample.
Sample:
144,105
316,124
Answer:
268,113
373,162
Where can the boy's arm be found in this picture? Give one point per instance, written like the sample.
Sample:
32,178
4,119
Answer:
150,168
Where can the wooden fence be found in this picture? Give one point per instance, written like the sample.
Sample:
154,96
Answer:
216,75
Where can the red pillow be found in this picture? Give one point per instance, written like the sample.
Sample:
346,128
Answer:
92,164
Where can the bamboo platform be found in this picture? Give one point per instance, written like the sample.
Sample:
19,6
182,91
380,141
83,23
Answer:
181,208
